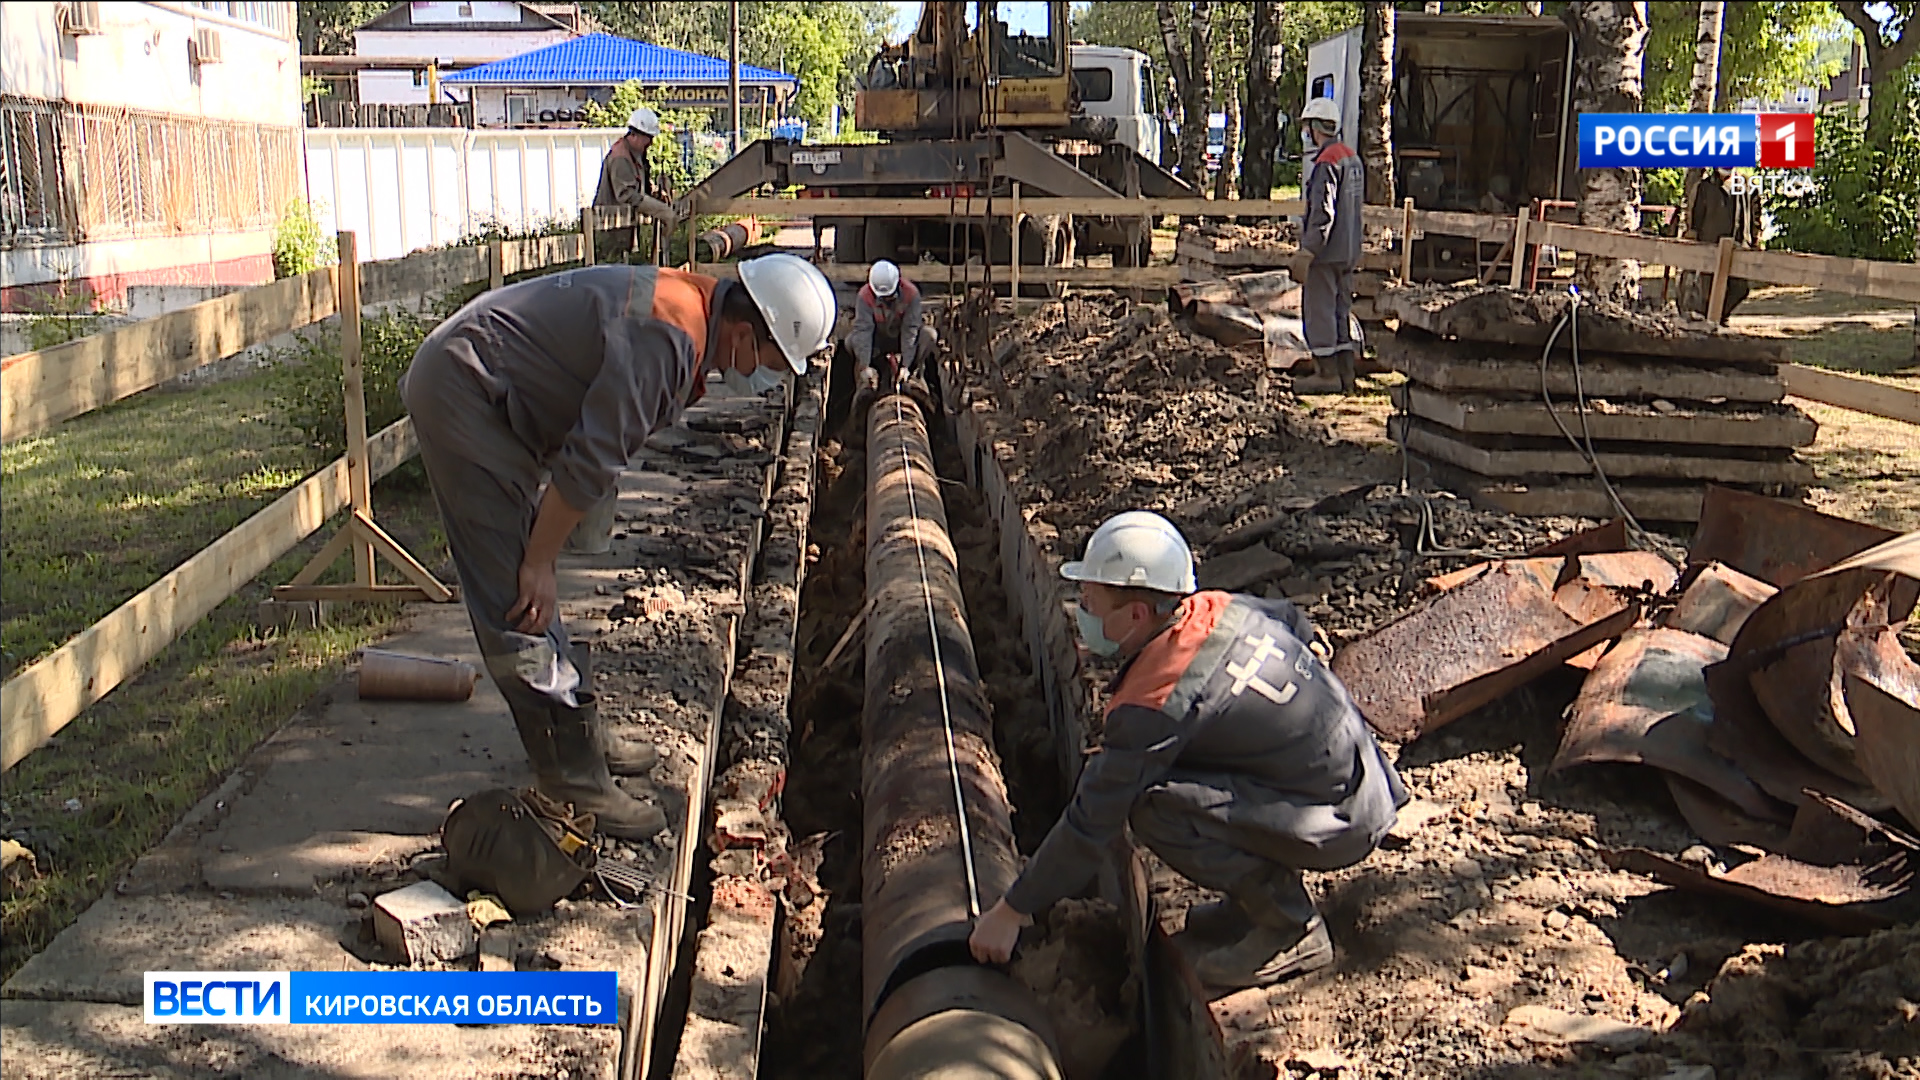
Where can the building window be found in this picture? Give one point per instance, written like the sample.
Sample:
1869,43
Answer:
519,109
1093,85
269,15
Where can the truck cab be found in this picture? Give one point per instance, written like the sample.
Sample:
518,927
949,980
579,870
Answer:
1120,84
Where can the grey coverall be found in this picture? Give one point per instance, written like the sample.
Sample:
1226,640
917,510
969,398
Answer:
624,182
566,374
891,324
1237,757
1331,233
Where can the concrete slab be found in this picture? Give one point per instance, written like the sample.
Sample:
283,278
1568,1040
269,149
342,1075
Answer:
103,956
63,1040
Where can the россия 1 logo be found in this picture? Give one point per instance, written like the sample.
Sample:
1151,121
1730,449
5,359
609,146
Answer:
1696,141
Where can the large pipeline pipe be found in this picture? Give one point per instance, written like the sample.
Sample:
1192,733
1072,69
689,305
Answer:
731,237
938,828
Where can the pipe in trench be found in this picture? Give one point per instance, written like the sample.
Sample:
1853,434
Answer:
927,734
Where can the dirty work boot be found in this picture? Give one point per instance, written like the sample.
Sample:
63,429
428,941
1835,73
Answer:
625,757
1266,955
1341,367
579,775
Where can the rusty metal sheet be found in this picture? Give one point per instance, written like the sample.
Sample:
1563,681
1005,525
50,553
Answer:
1718,602
1847,899
1640,570
1601,538
1776,541
1271,293
1880,691
1718,821
1467,648
1547,569
1646,703
1743,734
1788,647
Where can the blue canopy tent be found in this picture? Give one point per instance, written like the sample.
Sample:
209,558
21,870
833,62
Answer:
548,86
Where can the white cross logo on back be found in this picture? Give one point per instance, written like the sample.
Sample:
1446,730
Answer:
1247,673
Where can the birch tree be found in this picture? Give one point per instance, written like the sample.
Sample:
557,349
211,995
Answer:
1262,122
1706,81
1610,39
1376,100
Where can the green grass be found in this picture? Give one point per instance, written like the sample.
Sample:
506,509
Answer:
97,510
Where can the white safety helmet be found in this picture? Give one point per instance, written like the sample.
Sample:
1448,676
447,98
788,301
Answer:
1322,109
1136,550
798,304
885,278
645,121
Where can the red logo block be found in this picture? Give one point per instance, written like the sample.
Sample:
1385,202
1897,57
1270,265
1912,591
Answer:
1786,140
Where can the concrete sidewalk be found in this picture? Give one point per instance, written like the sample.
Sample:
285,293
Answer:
273,870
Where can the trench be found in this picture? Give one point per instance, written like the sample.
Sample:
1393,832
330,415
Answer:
1075,958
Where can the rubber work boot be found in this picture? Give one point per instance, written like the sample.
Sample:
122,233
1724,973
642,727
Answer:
1266,955
579,775
1341,366
625,757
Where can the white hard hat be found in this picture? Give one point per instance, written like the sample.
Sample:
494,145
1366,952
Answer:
798,304
1321,109
884,277
1136,550
645,121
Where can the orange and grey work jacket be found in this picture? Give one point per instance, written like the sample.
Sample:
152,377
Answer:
1228,689
582,365
623,182
887,324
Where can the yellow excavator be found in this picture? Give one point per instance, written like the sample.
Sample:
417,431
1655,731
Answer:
979,97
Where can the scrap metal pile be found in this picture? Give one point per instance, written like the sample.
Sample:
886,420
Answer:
1766,682
1515,398
1210,252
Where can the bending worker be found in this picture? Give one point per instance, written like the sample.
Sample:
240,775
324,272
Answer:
568,374
890,336
626,178
1229,747
1330,240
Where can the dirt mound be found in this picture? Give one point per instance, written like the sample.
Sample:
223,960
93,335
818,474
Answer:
1833,1008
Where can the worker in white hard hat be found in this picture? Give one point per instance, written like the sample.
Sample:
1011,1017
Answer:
1229,747
625,178
1330,238
890,340
527,404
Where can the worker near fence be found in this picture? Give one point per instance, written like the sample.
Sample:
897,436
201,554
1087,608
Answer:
626,178
1229,747
890,336
567,375
1330,238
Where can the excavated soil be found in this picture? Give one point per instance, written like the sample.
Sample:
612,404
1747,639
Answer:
1492,895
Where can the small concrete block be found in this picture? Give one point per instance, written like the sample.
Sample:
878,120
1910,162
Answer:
423,923
496,949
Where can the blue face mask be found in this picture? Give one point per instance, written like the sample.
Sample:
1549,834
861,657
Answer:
1093,634
754,385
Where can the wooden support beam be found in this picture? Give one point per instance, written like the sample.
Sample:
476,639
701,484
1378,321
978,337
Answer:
50,692
1722,267
1852,392
586,234
1855,277
41,389
360,489
496,265
1116,206
1406,241
1519,246
1680,254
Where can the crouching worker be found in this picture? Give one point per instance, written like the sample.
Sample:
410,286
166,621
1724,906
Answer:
1230,748
569,374
890,336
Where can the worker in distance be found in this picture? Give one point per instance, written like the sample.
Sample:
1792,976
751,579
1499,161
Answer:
890,339
1229,747
1330,240
625,177
563,378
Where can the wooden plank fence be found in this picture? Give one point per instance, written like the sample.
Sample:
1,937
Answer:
44,388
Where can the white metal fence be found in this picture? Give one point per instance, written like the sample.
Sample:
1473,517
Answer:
403,189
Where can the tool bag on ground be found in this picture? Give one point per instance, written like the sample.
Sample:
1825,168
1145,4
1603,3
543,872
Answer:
520,846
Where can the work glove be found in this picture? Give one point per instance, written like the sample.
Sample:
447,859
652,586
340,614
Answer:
1297,265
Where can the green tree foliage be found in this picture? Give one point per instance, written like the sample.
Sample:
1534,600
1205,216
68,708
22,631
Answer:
1863,203
309,390
827,45
1767,50
326,29
667,159
299,244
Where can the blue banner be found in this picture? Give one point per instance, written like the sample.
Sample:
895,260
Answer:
382,997
1676,141
455,997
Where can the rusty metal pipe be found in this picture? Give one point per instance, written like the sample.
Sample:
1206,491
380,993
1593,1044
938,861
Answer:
731,237
927,745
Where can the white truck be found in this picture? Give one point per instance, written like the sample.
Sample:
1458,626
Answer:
1121,84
